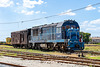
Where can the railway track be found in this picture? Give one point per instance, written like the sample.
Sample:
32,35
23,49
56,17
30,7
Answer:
89,52
13,65
59,59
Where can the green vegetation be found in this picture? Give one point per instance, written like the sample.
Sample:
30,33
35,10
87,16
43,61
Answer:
92,44
98,44
30,50
92,56
5,46
98,57
2,42
92,48
85,37
11,54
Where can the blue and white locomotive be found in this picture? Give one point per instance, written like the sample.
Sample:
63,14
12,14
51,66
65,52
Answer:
61,36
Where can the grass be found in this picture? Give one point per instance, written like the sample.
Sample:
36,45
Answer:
92,48
98,44
90,56
93,57
5,46
30,50
8,54
93,44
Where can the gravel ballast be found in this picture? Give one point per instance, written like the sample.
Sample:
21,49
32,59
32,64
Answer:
35,63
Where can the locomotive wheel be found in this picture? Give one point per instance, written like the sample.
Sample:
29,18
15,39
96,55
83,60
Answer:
26,46
57,47
35,47
29,46
61,47
21,46
39,46
14,45
50,47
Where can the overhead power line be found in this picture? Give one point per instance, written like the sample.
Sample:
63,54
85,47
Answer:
9,23
51,15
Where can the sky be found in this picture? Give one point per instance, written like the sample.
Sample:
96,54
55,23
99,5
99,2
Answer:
22,10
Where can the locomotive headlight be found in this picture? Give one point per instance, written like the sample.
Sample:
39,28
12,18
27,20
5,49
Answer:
69,48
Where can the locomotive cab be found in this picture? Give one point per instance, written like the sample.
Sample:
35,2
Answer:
74,40
70,32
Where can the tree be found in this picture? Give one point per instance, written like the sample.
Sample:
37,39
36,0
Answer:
86,37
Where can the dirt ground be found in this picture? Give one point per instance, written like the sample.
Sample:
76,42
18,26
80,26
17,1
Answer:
35,63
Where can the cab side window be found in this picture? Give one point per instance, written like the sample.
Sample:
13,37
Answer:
58,30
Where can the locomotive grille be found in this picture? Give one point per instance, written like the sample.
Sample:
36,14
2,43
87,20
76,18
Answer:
77,46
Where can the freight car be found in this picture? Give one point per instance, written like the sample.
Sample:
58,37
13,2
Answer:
20,38
61,36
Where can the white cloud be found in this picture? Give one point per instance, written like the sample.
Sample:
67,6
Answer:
68,12
44,12
97,21
45,2
93,25
6,3
27,7
84,23
27,12
89,7
31,4
17,4
93,29
37,12
98,10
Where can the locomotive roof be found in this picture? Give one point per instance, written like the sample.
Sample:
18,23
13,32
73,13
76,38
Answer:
20,31
45,25
59,24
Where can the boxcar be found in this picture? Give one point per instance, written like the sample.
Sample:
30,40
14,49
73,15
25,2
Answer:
20,38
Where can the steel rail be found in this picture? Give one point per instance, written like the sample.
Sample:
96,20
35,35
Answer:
11,64
47,57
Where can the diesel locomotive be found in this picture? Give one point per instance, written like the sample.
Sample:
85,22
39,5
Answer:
60,36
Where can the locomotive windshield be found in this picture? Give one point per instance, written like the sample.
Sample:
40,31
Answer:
73,34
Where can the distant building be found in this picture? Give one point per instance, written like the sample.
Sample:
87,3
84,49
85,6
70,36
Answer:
95,40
